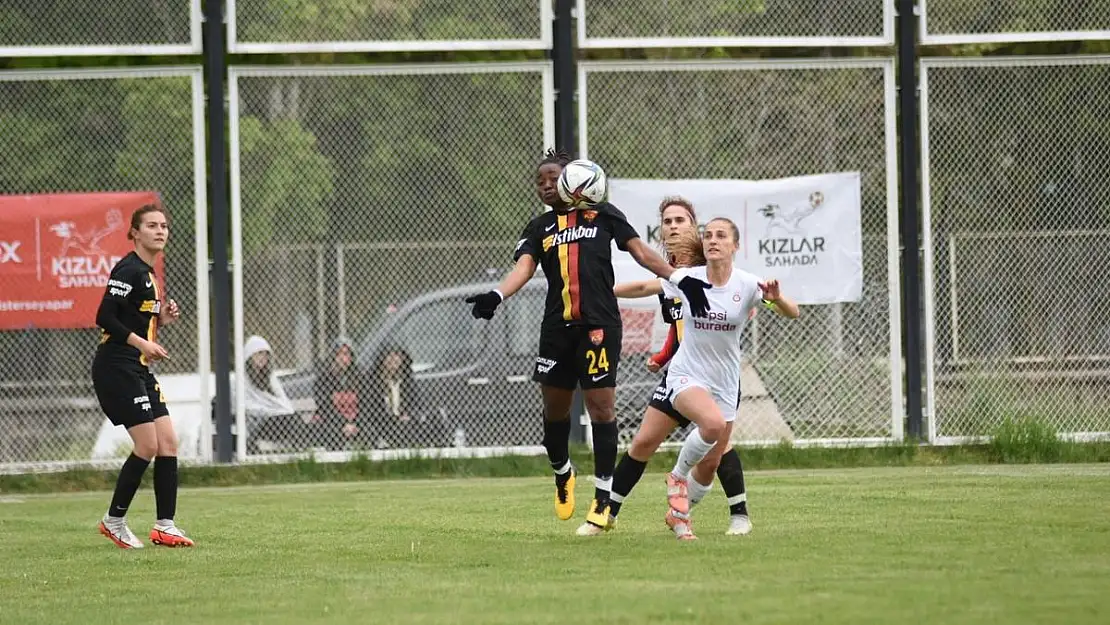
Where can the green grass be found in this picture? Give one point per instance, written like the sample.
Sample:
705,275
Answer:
975,544
1018,442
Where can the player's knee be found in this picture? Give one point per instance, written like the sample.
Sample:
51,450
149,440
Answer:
554,409
555,413
712,428
642,447
556,403
167,444
146,446
601,412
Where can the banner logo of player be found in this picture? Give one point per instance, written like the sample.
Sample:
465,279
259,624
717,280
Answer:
790,221
597,336
795,248
89,241
90,265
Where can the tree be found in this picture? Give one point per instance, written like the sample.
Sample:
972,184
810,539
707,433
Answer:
362,20
286,182
78,22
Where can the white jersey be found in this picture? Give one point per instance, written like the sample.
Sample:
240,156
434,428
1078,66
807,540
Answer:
709,354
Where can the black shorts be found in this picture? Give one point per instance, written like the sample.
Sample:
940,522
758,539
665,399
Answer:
661,401
128,393
573,355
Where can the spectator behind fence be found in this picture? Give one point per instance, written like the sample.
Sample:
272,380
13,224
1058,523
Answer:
395,417
340,392
270,417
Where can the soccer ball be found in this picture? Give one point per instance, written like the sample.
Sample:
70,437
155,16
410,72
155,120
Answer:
583,184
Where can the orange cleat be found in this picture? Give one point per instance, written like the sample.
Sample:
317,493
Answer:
676,494
680,525
116,530
170,536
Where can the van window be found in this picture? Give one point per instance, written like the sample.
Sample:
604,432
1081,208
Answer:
440,335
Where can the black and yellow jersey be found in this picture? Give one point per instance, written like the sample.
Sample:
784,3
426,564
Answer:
132,301
672,313
575,251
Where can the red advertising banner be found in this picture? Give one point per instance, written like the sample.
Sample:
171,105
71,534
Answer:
56,253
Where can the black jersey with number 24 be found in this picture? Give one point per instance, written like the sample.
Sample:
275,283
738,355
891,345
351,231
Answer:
575,251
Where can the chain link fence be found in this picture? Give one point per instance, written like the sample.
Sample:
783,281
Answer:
88,131
368,203
1017,222
947,22
79,27
674,23
828,375
286,26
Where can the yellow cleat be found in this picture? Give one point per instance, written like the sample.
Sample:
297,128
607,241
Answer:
598,520
564,496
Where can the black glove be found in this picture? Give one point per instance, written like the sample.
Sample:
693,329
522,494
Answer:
693,291
484,304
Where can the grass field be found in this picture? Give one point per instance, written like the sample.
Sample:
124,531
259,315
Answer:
972,544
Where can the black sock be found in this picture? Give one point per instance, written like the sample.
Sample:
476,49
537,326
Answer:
127,484
556,439
731,474
628,472
165,486
605,457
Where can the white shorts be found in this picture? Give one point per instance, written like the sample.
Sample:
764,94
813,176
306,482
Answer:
728,405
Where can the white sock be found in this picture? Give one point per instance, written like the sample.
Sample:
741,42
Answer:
164,523
694,448
696,491
603,484
563,469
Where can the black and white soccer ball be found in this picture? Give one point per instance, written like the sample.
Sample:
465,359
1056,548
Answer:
583,184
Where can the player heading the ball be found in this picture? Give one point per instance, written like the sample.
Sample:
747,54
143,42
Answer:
580,333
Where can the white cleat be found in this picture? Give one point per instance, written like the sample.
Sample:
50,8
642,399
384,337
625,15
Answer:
739,525
590,529
116,530
169,535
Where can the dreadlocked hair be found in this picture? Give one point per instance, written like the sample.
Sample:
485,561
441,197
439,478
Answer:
559,158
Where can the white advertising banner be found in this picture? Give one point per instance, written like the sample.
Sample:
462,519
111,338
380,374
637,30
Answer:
805,231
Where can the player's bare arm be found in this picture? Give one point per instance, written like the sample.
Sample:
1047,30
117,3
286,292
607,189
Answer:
485,304
649,259
521,273
149,349
635,290
775,300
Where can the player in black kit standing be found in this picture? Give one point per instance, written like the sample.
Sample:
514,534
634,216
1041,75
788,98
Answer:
580,336
129,316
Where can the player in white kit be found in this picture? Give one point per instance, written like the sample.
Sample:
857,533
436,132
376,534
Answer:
703,381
